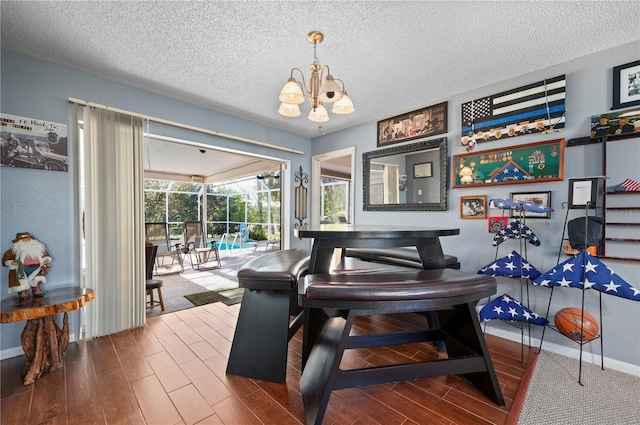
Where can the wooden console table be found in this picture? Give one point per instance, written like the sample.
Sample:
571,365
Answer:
43,342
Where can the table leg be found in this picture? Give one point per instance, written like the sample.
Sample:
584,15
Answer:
431,254
45,345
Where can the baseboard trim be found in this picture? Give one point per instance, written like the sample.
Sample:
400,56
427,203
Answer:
573,353
17,351
518,401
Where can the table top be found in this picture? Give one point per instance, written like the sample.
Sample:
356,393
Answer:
372,231
57,300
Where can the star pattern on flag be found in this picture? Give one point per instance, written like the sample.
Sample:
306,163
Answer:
510,172
505,307
513,204
516,230
586,270
476,109
513,265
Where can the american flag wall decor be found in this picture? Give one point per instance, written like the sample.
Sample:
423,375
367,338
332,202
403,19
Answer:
534,108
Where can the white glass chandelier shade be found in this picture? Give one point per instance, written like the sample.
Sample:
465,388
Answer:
289,110
330,91
321,90
291,93
343,106
319,114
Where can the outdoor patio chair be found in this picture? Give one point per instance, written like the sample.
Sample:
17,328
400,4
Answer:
168,257
202,254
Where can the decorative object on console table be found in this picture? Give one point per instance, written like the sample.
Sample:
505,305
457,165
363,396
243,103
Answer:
534,108
28,262
528,163
473,207
424,122
626,85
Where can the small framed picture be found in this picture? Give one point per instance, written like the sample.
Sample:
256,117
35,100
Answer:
422,170
626,85
583,193
539,198
497,223
473,207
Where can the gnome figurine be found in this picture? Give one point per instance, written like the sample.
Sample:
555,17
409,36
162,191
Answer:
28,263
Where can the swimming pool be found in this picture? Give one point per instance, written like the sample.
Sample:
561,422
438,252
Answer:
224,246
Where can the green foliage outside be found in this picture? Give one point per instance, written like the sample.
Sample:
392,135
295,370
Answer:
226,208
334,202
258,234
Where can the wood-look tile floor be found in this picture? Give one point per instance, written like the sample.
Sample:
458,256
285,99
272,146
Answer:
172,371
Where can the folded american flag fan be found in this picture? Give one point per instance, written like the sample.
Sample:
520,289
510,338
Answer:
505,307
513,265
589,272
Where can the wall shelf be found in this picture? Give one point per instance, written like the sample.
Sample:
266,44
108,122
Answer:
621,226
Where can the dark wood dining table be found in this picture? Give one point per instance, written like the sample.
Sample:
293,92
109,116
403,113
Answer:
329,237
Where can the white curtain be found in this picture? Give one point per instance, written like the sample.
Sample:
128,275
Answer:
112,180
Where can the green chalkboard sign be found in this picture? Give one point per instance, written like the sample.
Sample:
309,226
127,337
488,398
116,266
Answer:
529,163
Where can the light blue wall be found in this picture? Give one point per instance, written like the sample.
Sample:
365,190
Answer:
589,88
42,202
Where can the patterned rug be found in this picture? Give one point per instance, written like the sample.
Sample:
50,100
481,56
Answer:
226,296
554,395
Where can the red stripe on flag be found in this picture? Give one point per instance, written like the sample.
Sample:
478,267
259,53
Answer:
630,185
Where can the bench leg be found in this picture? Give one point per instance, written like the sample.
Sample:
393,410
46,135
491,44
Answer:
260,342
323,366
461,324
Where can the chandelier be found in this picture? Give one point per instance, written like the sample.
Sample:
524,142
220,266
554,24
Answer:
294,93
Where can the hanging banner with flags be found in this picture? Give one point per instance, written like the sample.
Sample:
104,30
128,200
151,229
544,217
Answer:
534,108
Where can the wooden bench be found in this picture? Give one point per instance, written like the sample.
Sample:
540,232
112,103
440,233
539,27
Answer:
449,294
406,256
264,327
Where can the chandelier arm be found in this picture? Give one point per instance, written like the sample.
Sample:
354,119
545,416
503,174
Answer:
341,82
303,85
322,71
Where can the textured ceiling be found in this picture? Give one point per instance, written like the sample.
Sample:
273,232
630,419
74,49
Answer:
234,57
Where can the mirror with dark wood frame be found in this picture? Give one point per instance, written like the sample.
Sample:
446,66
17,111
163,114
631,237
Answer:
409,177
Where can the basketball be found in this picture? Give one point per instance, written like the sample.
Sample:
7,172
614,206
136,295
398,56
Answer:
569,320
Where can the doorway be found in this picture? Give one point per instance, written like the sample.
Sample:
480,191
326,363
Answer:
332,191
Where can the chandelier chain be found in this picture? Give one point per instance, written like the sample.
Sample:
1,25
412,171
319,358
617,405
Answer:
315,54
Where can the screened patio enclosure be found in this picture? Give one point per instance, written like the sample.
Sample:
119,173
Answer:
223,208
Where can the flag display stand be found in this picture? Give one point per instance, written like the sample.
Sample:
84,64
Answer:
586,271
580,342
514,312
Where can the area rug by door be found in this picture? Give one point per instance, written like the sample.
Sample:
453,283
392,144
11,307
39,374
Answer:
554,395
226,296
